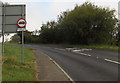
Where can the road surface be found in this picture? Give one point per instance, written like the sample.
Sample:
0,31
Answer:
84,64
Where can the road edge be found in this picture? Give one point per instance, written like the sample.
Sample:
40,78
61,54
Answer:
60,68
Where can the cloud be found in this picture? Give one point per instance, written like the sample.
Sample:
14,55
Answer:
35,16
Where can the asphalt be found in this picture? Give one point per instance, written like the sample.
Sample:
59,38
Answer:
47,70
104,54
84,65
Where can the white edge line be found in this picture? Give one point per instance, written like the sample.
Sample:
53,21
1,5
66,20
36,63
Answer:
61,69
112,61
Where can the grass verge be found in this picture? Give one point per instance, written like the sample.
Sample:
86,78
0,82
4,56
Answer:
13,70
106,47
99,47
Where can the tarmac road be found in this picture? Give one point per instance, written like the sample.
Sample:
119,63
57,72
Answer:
84,64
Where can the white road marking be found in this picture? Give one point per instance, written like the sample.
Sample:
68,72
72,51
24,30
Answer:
85,49
85,54
88,54
61,69
69,49
112,61
76,50
82,54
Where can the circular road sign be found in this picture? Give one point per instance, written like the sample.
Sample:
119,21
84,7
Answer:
21,23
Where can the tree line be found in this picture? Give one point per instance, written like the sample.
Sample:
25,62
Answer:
86,24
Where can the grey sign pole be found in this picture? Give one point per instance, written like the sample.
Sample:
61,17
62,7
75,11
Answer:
23,36
22,47
3,24
2,43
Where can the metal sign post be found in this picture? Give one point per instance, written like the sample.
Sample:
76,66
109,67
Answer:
22,47
2,44
3,30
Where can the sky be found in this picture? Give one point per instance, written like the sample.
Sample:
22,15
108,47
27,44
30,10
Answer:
41,11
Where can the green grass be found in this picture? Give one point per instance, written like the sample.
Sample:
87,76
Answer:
106,47
13,69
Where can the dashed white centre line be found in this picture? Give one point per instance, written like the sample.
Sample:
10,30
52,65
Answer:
112,61
83,54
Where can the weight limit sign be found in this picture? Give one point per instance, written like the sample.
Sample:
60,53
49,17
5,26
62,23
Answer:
21,23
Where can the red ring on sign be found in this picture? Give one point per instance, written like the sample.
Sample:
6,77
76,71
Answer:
19,25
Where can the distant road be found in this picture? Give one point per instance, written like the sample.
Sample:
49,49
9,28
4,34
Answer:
84,64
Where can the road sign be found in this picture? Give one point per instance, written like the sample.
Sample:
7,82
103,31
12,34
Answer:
11,14
21,29
21,23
